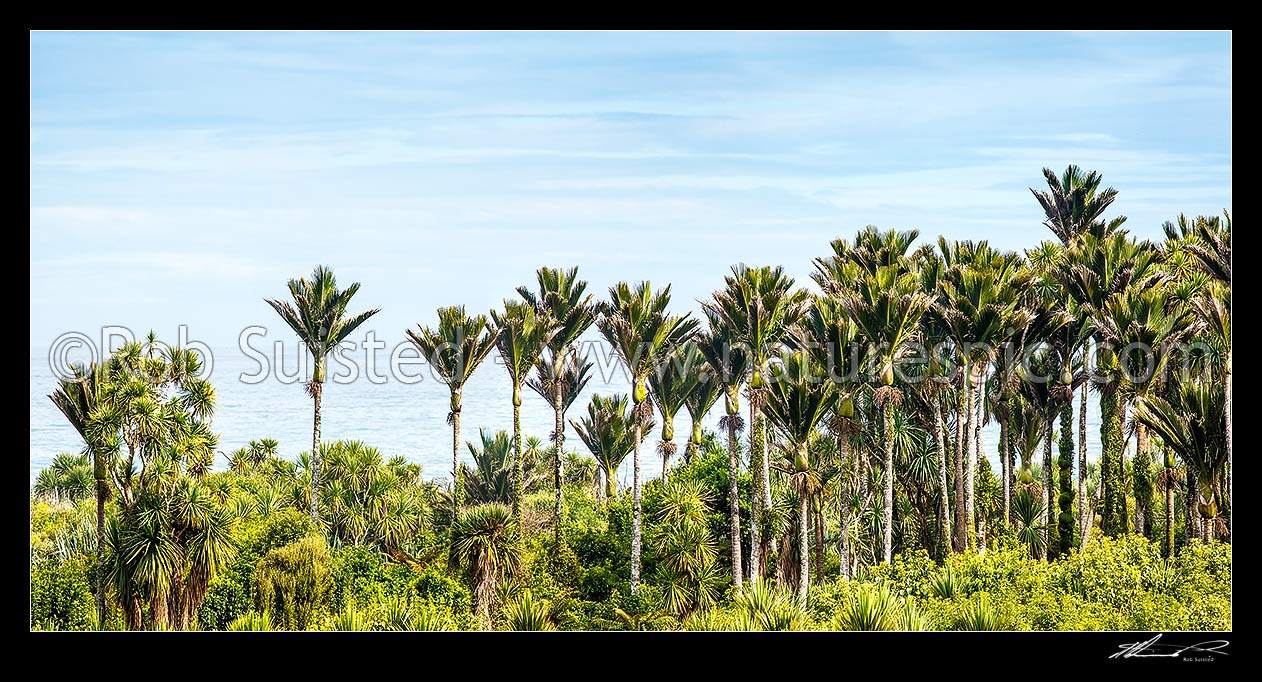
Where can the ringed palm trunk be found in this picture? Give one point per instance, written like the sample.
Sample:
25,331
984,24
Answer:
817,522
457,482
978,449
518,467
635,505
970,466
1169,480
755,493
558,411
1083,508
1046,484
961,521
1191,500
733,496
1003,467
1141,505
944,504
102,491
611,486
887,482
1227,398
843,508
804,552
317,390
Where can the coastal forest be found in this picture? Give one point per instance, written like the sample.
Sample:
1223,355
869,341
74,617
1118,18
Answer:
848,485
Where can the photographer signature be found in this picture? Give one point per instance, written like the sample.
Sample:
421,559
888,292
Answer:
1152,649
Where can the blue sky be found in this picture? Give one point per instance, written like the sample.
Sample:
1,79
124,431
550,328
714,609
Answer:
180,178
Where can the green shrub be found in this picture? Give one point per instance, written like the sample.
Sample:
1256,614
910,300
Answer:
435,587
61,596
231,593
295,583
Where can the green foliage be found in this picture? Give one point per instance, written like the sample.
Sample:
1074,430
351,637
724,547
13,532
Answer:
437,588
231,593
909,574
979,614
295,582
948,584
761,606
871,607
61,596
251,621
528,613
1066,522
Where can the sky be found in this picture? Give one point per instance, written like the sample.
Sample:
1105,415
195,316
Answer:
181,178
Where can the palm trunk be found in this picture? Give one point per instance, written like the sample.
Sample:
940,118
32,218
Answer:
944,504
843,508
1003,466
755,493
887,481
611,486
102,491
1044,515
1169,544
518,467
961,520
1137,470
457,483
817,521
1191,500
979,450
559,412
863,468
317,390
1227,398
1082,458
733,498
637,512
804,553
970,469
765,463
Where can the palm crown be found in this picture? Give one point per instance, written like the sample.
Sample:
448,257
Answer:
317,314
456,348
635,322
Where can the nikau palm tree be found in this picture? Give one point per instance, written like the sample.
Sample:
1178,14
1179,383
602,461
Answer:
705,392
608,431
521,333
669,388
643,335
758,307
454,350
728,363
797,400
561,299
318,316
885,303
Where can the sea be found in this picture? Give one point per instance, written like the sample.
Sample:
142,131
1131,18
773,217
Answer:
400,409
